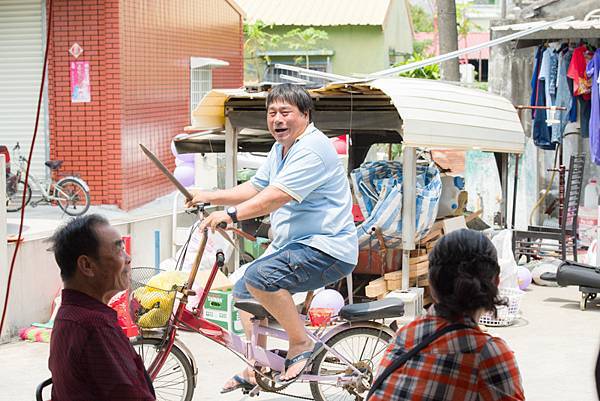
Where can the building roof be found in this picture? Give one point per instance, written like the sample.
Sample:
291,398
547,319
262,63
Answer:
316,12
236,7
472,39
417,112
566,30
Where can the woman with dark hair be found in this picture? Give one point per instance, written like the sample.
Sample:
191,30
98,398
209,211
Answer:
444,356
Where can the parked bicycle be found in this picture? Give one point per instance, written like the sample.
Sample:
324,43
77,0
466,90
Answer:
70,192
351,344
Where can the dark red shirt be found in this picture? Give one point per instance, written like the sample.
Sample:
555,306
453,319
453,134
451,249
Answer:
90,356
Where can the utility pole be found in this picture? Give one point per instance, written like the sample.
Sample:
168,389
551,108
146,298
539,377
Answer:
448,37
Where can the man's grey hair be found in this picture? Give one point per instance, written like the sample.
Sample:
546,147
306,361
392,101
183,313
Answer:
78,237
291,94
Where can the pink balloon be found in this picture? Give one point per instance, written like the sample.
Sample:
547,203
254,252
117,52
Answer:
339,145
184,174
524,277
328,299
185,157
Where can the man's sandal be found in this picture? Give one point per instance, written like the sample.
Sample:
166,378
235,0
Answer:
242,383
309,356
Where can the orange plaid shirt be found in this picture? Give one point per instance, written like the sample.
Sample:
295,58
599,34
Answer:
466,364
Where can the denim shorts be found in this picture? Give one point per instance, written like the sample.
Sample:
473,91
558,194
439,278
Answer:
295,268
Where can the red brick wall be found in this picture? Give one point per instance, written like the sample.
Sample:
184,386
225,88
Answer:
157,40
87,135
139,53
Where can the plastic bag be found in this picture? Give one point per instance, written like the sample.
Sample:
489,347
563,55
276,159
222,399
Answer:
157,298
214,242
508,267
120,304
378,190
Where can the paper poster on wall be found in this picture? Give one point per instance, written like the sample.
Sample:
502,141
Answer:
80,82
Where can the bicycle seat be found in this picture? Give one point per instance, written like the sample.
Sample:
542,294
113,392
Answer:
386,308
253,307
54,164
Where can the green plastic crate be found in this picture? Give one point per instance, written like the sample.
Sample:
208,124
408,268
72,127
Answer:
218,308
254,248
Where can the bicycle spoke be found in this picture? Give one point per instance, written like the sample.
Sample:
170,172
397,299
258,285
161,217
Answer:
364,349
171,383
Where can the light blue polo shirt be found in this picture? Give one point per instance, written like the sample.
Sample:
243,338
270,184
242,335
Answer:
320,214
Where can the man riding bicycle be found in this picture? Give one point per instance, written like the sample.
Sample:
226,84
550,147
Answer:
303,186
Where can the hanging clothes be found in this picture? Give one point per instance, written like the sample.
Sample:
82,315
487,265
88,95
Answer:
534,78
581,82
545,74
581,86
593,71
541,132
573,111
552,73
564,97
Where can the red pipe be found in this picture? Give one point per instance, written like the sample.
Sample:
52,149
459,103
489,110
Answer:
35,129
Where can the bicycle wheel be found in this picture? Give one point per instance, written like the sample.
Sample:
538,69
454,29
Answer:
73,196
175,381
14,196
364,347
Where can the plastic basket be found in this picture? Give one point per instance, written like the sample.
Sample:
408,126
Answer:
153,294
506,313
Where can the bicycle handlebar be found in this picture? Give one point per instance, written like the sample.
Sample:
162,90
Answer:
199,207
220,258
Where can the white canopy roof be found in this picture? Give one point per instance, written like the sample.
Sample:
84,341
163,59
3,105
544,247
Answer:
433,114
442,115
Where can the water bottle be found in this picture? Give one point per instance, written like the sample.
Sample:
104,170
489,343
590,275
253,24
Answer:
590,197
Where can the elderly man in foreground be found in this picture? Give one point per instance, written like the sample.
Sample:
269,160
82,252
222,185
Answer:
90,356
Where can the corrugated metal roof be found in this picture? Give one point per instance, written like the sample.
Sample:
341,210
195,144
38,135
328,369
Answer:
316,12
571,25
434,114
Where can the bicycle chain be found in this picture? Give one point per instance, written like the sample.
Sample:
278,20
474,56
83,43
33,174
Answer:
280,391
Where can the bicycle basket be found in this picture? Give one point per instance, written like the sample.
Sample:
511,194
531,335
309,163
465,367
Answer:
506,313
153,294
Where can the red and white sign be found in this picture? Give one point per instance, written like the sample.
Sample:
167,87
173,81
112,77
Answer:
80,82
76,50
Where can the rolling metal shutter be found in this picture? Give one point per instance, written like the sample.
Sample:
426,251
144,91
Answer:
22,39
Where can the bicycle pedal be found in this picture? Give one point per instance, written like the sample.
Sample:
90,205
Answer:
254,392
281,352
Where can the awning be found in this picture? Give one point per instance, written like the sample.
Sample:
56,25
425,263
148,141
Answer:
576,29
197,62
416,112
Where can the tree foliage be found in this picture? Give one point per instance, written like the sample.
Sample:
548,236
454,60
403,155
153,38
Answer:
421,19
420,52
427,72
464,24
304,39
259,38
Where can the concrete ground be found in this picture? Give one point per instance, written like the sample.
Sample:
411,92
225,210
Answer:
555,343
